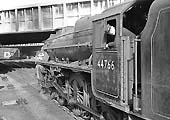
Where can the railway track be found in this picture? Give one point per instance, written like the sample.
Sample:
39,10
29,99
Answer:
21,99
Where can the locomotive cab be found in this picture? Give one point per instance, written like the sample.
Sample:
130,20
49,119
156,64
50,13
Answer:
117,53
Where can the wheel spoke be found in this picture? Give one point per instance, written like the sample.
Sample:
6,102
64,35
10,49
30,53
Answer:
78,89
80,99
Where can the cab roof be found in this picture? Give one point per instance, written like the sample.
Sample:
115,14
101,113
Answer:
120,8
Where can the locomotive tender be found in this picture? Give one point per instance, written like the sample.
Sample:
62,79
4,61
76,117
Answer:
124,75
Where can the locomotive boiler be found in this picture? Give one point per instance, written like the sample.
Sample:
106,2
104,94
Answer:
71,43
125,75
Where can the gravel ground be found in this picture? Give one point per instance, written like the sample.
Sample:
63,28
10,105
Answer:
20,99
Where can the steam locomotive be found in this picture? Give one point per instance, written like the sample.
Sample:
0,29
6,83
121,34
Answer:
112,66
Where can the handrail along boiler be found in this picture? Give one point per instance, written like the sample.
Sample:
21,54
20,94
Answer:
113,66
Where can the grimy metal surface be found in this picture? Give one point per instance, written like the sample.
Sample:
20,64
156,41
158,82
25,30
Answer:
155,62
106,68
73,67
75,45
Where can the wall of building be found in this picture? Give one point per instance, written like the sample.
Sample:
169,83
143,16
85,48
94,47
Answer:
50,15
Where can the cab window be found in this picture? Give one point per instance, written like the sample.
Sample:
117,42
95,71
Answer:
110,33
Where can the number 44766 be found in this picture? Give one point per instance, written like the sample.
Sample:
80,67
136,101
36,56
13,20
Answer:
106,64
